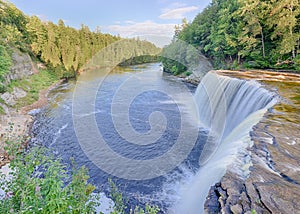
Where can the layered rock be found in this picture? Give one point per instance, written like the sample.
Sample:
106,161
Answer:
274,182
22,66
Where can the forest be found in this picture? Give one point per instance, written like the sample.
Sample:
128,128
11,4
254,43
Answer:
241,34
63,49
59,52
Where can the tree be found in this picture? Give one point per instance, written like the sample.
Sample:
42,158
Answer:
37,35
284,19
254,14
51,52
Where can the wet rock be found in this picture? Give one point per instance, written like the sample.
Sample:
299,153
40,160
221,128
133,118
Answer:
212,204
236,209
274,182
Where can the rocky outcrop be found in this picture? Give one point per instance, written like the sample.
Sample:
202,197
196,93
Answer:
14,124
10,98
22,66
203,67
274,182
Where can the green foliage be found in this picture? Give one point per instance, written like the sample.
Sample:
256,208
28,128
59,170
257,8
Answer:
40,184
120,207
123,52
297,62
33,85
5,63
140,60
187,73
65,50
179,57
253,211
118,199
148,210
242,33
2,110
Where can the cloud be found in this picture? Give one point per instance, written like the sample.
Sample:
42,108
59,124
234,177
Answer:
177,13
143,28
159,34
174,5
130,22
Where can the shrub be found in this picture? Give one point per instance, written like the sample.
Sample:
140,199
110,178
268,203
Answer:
40,184
120,201
5,62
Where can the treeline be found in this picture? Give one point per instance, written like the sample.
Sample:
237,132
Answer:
246,33
65,50
140,60
124,52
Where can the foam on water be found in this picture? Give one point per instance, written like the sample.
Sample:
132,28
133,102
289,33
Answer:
229,107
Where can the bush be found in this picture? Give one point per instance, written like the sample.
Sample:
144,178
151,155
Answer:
40,184
121,208
297,62
2,88
5,63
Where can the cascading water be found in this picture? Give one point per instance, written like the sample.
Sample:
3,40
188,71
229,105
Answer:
229,108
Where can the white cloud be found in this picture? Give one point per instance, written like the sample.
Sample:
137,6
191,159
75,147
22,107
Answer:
174,5
130,22
149,30
177,13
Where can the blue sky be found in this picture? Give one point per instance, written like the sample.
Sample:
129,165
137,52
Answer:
151,19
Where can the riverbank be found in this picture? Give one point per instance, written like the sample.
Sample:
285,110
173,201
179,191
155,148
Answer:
15,123
274,158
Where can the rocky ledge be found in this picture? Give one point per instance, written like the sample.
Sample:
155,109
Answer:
274,182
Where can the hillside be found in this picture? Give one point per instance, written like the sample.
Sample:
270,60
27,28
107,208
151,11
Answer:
242,34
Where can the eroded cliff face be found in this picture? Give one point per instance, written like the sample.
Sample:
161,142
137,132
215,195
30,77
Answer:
273,185
22,66
13,122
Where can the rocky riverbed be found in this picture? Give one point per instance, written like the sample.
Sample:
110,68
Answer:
274,181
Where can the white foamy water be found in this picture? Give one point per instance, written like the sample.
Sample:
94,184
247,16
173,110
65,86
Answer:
229,108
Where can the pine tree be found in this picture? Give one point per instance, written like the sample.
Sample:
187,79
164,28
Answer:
284,18
254,14
37,35
51,52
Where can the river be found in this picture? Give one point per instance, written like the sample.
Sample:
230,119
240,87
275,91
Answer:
162,104
162,141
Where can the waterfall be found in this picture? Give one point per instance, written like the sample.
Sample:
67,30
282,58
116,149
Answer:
228,108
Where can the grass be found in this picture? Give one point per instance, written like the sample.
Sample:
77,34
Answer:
297,98
2,112
33,85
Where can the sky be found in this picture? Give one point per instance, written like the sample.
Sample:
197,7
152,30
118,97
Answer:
149,19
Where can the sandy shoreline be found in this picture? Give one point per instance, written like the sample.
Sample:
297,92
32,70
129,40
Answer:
16,124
